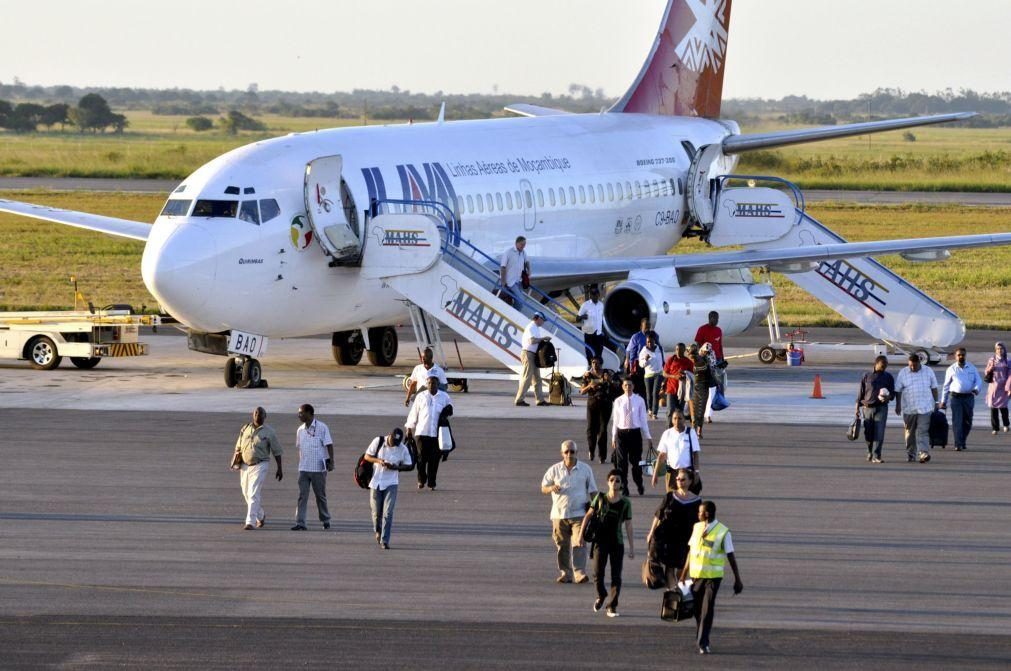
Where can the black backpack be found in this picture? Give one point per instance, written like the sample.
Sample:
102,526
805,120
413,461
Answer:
364,469
546,356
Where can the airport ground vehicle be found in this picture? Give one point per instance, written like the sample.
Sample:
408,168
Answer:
85,336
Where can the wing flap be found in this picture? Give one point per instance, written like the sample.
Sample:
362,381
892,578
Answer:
524,109
124,228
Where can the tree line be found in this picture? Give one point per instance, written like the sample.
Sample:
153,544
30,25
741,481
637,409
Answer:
91,114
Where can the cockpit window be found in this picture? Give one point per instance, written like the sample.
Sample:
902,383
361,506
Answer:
249,213
268,209
176,207
216,208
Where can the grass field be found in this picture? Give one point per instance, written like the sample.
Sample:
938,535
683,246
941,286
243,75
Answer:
155,146
37,258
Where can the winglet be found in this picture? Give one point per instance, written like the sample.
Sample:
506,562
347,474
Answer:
683,74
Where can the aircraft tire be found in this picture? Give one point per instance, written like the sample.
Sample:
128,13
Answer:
252,374
924,356
386,344
348,347
85,363
767,355
42,354
231,372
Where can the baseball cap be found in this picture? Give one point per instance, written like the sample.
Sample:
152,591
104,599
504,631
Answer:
538,315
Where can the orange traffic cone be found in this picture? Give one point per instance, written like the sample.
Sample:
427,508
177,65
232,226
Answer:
817,387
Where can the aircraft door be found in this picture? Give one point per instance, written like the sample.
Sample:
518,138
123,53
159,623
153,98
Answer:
336,231
529,205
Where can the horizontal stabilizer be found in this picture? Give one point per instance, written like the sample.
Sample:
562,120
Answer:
734,144
124,228
524,109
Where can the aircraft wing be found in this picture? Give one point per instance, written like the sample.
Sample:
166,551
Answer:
735,144
559,272
525,109
124,228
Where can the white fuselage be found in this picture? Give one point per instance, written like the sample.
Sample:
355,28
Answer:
606,185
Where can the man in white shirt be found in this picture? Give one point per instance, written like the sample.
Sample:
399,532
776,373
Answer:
678,448
511,268
571,484
915,399
629,425
533,336
961,385
421,373
315,458
388,455
591,319
423,424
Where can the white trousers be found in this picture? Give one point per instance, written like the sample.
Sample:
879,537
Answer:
709,403
251,480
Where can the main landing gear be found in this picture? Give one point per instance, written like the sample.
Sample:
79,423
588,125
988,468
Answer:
381,348
244,372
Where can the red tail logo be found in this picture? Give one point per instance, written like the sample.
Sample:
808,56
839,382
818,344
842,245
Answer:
683,75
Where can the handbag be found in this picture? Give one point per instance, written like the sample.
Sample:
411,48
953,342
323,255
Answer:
446,442
720,401
654,574
854,430
988,376
593,526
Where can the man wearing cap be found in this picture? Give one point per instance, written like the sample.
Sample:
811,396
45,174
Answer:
389,456
257,442
423,423
533,336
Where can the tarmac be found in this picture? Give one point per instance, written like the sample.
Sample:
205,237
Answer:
121,539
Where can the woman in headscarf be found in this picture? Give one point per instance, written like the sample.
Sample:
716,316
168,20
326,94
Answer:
996,374
703,380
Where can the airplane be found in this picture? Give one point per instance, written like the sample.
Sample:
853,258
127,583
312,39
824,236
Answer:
351,231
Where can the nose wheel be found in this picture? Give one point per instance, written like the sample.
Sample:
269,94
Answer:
244,372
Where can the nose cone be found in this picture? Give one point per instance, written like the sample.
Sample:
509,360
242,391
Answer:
179,268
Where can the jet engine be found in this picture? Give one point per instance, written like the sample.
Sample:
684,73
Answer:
676,312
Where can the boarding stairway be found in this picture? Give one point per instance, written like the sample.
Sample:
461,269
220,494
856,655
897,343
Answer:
874,298
415,248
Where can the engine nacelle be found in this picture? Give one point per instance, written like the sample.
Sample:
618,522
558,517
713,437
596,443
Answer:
676,313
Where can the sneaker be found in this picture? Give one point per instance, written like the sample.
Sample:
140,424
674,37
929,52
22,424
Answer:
582,579
421,485
386,546
910,458
924,457
247,527
704,650
876,460
611,612
562,579
522,404
993,433
869,456
260,522
598,604
1005,429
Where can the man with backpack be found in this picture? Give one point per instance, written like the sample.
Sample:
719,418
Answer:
388,456
533,336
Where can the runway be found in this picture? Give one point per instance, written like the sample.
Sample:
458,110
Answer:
814,195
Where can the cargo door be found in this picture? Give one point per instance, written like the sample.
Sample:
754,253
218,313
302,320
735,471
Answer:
324,205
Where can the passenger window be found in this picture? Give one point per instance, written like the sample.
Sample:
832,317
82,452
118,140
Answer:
680,187
600,193
638,190
656,189
480,204
593,195
663,188
248,212
519,201
509,199
470,204
530,200
610,192
561,196
216,208
582,195
489,203
459,205
176,208
498,201
268,209
551,196
628,190
540,198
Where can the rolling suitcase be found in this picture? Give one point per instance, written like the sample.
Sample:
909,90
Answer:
938,429
559,390
677,605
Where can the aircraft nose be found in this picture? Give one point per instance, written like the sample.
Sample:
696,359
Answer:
179,267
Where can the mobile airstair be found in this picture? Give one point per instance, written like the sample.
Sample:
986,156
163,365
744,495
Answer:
415,248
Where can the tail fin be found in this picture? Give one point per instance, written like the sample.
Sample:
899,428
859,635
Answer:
683,75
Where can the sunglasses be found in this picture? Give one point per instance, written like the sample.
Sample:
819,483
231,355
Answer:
568,451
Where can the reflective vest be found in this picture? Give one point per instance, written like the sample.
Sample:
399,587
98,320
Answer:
707,557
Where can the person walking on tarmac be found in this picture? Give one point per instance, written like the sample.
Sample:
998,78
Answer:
612,509
709,549
423,423
635,344
533,336
876,388
961,386
253,449
711,334
996,377
915,399
667,540
597,387
629,427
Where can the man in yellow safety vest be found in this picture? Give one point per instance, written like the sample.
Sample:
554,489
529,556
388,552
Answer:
709,549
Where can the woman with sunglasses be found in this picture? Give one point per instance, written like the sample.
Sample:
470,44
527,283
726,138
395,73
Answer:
612,508
667,541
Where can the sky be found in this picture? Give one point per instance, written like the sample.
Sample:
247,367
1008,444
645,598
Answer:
819,48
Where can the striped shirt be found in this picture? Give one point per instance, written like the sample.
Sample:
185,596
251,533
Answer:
312,442
917,398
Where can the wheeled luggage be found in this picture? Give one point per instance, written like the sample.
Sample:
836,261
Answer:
938,429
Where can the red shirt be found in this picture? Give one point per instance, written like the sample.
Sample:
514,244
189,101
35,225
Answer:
675,364
712,335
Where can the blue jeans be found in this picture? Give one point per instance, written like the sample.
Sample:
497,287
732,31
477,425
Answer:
673,405
383,501
653,386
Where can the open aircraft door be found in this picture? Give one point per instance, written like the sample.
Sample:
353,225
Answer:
328,216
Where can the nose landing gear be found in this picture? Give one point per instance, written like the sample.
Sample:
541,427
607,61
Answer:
244,372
